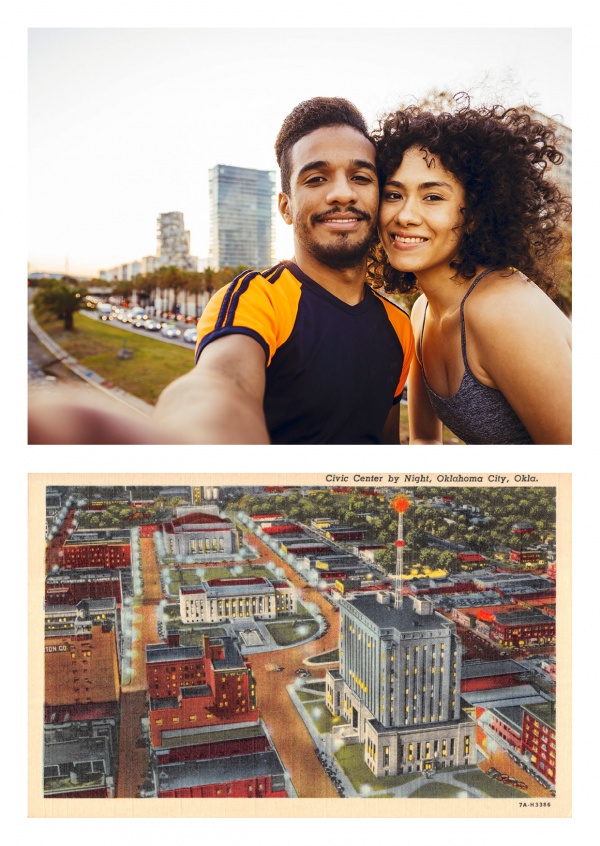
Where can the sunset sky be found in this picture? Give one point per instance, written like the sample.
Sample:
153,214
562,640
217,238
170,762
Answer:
124,123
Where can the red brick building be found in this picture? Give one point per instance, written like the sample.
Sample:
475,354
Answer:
99,548
222,692
539,738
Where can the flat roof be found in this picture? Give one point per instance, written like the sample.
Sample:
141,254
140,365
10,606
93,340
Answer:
218,770
402,619
82,536
480,669
210,734
544,711
157,653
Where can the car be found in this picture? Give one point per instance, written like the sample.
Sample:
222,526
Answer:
106,315
171,331
139,321
190,336
302,672
152,325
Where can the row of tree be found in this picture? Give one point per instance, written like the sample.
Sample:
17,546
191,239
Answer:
64,297
485,530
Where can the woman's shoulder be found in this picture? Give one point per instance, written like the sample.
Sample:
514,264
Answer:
510,301
501,294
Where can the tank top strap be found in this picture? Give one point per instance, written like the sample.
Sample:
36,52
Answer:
420,344
463,334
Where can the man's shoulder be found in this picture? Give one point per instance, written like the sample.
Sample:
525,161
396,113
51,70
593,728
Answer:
280,273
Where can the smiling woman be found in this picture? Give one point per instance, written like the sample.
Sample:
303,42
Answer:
470,216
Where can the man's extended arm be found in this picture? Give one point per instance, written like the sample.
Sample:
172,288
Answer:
221,400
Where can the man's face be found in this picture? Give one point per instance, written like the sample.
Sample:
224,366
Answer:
333,197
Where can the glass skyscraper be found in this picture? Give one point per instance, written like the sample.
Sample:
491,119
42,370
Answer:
242,217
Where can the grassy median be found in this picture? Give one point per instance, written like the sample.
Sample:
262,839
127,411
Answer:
96,345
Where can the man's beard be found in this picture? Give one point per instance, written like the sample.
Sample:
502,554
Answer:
341,254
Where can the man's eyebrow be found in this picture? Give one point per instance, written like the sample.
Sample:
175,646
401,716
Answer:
422,187
321,165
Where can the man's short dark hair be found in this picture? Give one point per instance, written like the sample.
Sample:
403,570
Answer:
305,118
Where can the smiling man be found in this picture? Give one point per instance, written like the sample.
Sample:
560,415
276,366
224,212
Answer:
304,352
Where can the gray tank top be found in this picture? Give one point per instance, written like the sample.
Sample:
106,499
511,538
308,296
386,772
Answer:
477,414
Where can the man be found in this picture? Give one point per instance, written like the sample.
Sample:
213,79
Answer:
304,352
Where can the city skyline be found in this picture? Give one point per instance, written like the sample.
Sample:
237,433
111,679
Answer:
125,124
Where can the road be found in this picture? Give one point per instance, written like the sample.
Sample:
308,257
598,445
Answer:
133,752
291,739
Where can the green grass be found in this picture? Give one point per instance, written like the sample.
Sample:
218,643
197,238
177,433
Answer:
322,718
479,780
194,638
306,696
285,634
96,345
436,790
350,757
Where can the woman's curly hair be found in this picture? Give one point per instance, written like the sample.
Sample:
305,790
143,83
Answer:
500,156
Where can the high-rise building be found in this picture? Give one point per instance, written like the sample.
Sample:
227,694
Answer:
398,686
174,242
242,217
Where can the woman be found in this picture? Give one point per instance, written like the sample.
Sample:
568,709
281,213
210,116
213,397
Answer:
469,215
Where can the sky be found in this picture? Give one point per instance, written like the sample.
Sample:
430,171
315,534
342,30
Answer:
124,123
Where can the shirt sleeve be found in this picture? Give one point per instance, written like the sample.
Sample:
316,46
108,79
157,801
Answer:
250,305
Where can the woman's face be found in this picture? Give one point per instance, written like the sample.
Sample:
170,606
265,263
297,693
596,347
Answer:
420,216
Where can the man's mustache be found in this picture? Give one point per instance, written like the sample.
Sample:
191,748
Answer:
363,215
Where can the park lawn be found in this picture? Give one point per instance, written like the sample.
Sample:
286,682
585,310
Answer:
480,781
96,345
350,757
285,634
436,790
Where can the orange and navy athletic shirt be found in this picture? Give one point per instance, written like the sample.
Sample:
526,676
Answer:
333,370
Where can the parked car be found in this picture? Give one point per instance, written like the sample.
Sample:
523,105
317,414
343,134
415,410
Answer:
190,336
171,331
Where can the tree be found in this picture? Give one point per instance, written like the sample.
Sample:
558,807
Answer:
196,286
172,278
61,297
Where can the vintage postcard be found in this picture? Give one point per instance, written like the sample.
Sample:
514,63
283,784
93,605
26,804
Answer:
199,642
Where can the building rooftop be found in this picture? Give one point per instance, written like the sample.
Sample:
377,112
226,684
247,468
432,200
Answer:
157,653
523,694
218,770
402,619
480,669
544,711
195,691
210,734
523,617
512,714
83,536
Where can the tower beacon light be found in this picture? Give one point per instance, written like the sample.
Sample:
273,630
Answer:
399,504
